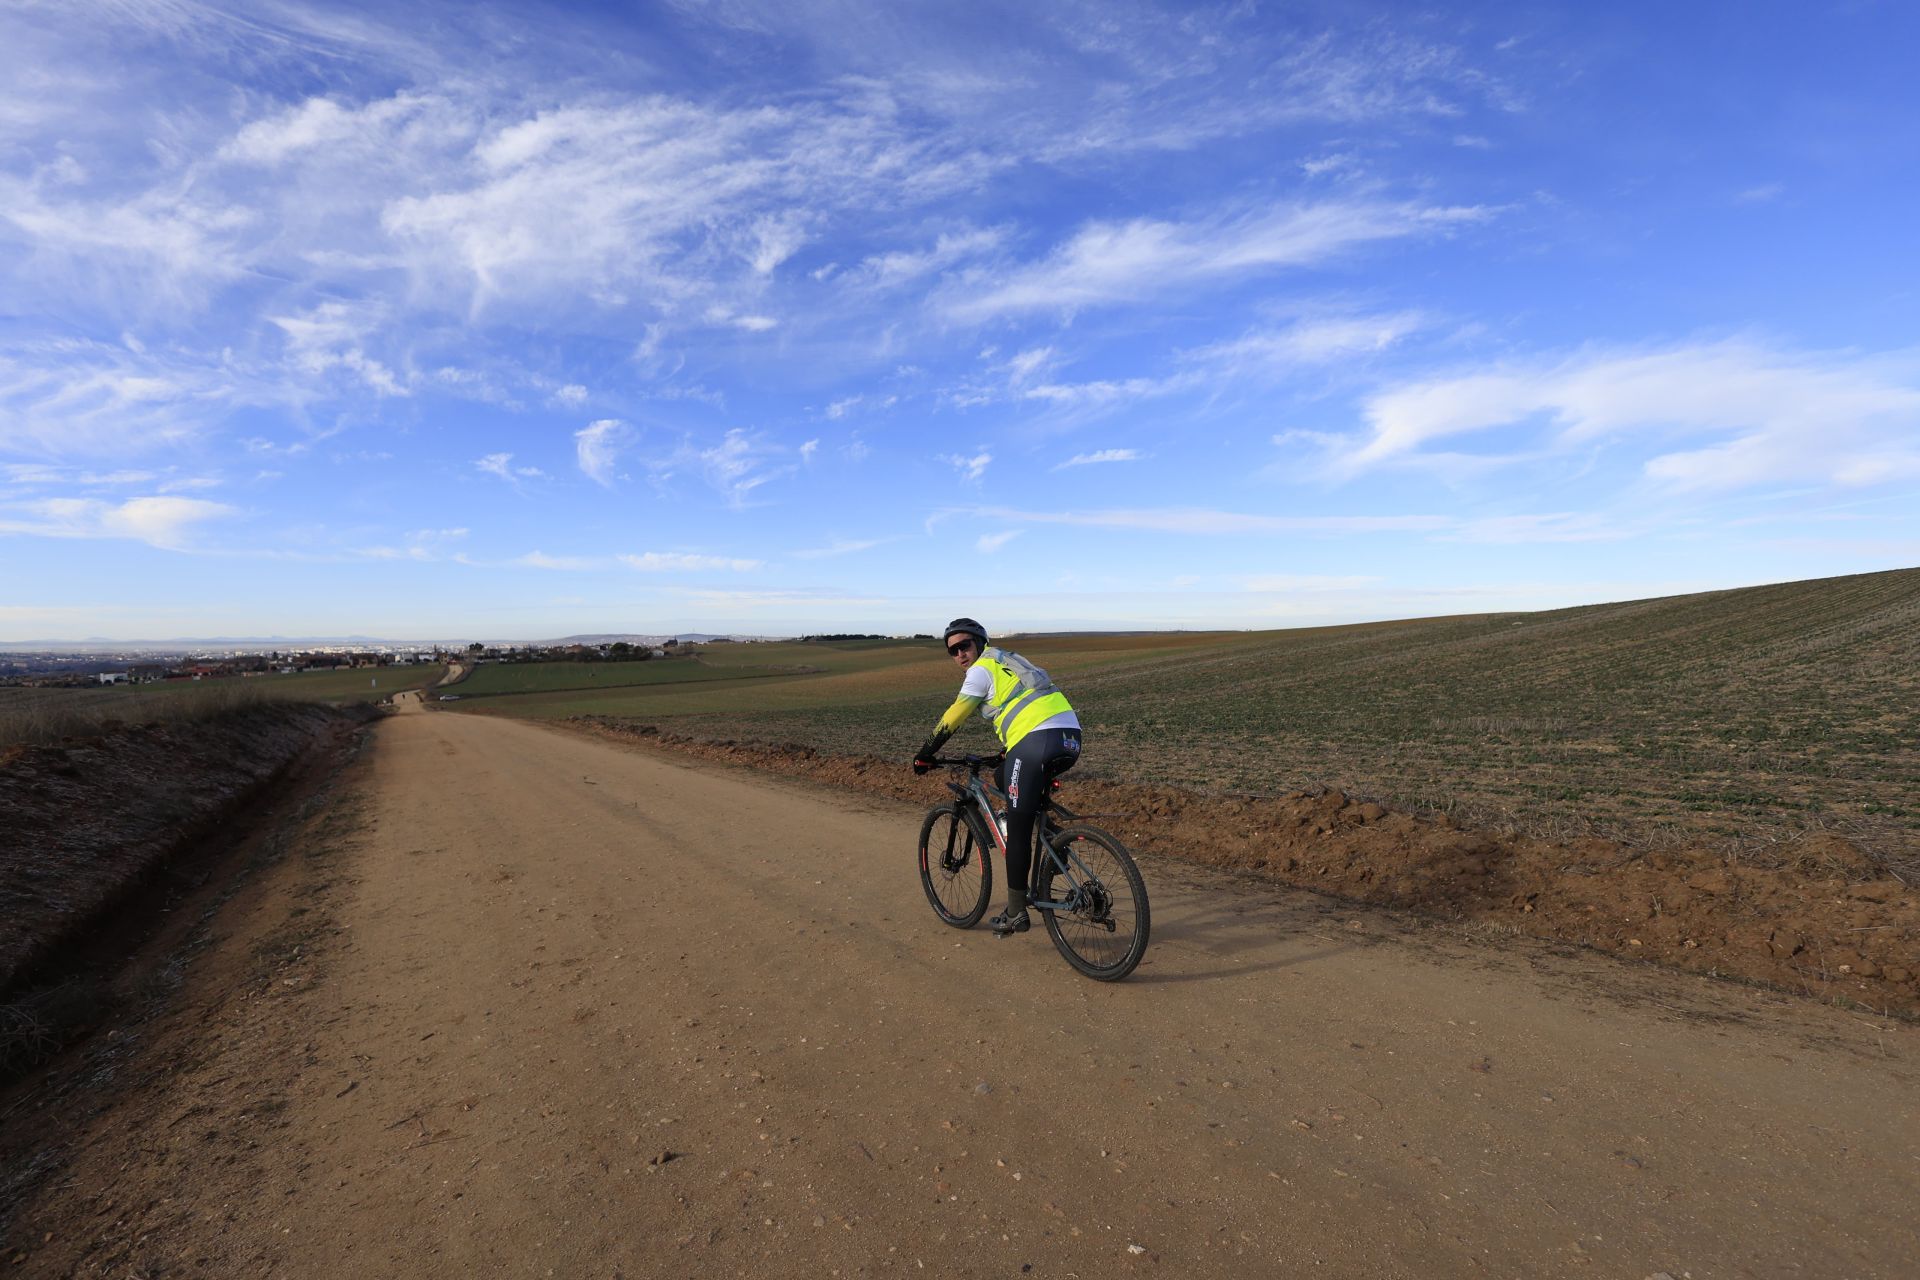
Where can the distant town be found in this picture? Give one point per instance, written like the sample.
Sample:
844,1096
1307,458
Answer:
146,666
76,665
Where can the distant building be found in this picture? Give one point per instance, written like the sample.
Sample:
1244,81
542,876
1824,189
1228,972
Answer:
113,677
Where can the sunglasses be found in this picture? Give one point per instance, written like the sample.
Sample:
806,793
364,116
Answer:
957,649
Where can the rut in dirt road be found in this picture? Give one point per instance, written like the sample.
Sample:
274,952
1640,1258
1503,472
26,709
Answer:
588,1011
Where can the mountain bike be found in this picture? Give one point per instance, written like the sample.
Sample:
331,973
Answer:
1084,883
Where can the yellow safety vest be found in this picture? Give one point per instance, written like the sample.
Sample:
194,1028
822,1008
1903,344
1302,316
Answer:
1023,695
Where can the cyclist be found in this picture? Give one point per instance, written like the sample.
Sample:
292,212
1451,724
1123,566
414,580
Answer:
1039,730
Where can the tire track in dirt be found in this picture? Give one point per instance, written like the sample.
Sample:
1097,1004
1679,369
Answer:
586,1011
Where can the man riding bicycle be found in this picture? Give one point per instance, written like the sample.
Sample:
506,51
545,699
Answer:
1039,730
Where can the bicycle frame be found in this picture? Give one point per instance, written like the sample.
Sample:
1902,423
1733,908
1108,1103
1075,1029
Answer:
979,795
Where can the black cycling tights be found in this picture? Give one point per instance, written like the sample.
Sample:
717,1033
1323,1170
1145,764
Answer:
1026,775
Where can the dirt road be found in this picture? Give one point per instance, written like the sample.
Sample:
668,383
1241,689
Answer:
527,1003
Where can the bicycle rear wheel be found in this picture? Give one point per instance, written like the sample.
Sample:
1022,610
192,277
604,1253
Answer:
1103,924
954,867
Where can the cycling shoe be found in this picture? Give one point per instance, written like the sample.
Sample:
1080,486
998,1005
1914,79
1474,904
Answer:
1006,925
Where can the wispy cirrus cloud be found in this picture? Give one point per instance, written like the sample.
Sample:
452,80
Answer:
65,397
970,469
1115,263
167,480
1761,414
1099,457
1306,342
839,547
1308,582
565,564
1206,522
686,562
597,448
1104,393
332,336
741,463
905,266
501,464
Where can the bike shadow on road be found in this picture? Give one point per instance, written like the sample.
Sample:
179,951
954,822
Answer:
1210,939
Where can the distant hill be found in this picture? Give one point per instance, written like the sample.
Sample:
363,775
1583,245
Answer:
684,637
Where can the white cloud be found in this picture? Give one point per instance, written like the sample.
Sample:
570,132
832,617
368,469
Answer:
496,464
1308,582
970,469
1103,393
755,324
1100,456
541,560
680,562
1309,342
739,464
649,198
322,123
904,266
597,448
165,522
40,474
1333,162
775,238
1201,521
1108,263
151,252
838,547
988,543
63,397
1773,415
1532,529
571,396
330,336
808,450
1022,366
867,403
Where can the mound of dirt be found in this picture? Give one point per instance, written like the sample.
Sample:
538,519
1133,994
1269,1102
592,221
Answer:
1823,920
87,820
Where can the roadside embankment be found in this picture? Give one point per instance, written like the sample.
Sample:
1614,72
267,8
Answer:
86,824
1817,916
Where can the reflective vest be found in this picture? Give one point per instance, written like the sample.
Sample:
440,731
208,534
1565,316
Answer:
1023,695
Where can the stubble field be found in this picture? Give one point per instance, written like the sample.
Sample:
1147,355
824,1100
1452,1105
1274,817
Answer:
1736,718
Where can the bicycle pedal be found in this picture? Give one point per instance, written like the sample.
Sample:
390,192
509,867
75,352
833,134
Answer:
1005,928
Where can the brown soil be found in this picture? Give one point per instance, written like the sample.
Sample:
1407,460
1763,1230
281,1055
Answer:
105,854
1826,921
87,819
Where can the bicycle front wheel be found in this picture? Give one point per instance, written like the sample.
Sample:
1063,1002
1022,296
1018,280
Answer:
954,868
1102,923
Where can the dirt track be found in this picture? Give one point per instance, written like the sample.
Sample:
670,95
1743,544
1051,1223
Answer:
524,1002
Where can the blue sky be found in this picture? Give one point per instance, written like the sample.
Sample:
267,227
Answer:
523,320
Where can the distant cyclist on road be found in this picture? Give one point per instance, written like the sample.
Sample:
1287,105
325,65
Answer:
1037,726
